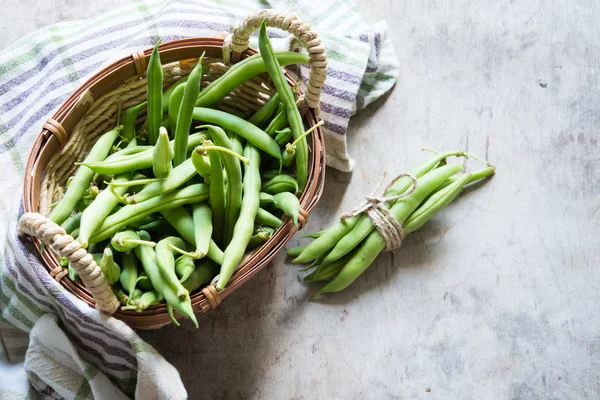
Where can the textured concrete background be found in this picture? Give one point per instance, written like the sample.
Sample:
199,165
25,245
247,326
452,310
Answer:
498,296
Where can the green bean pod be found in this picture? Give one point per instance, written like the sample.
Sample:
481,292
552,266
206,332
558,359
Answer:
216,199
263,217
135,162
162,155
130,150
314,235
287,98
245,224
201,164
260,237
184,116
169,92
233,188
184,267
154,94
326,272
135,296
135,212
95,214
267,175
240,73
280,183
239,126
295,251
129,274
120,293
73,273
128,239
166,262
406,205
176,178
72,223
183,223
289,204
202,217
144,301
144,282
475,176
236,144
266,112
147,256
279,123
128,120
109,267
266,199
174,104
203,273
83,177
283,136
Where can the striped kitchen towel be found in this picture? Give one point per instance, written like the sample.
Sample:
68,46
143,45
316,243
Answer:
51,343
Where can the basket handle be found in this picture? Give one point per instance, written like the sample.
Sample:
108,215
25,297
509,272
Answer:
239,41
36,225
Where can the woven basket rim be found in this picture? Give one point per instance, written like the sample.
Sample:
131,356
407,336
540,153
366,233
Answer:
76,105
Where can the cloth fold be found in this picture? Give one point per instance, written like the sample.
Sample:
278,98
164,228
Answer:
52,345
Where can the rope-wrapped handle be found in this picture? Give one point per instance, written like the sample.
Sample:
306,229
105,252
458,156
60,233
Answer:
56,238
238,42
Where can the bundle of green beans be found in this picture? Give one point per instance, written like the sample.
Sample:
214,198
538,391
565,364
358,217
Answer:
155,204
341,253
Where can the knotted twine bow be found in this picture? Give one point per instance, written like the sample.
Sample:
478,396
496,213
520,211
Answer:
375,208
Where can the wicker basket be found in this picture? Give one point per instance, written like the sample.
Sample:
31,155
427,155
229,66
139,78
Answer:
92,110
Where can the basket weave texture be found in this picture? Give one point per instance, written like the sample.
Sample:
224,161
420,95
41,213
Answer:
94,108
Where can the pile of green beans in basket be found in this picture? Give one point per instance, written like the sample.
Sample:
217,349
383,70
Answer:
167,206
340,254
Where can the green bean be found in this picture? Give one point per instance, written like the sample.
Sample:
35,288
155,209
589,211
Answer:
269,174
167,94
295,251
183,223
287,98
128,120
475,176
72,223
334,234
137,161
241,127
280,122
146,300
73,273
184,116
233,189
406,205
280,183
162,155
201,164
166,263
144,282
95,214
236,144
283,136
109,267
326,272
154,94
260,237
265,113
263,217
203,273
135,296
202,217
174,104
135,212
176,178
289,204
240,73
289,153
266,199
126,240
314,235
120,293
83,177
129,273
147,256
245,224
216,199
184,267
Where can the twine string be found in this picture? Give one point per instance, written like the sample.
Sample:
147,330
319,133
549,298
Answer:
375,208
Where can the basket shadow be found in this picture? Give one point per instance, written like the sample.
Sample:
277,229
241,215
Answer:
230,352
415,254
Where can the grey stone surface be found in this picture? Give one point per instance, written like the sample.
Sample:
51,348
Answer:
498,296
